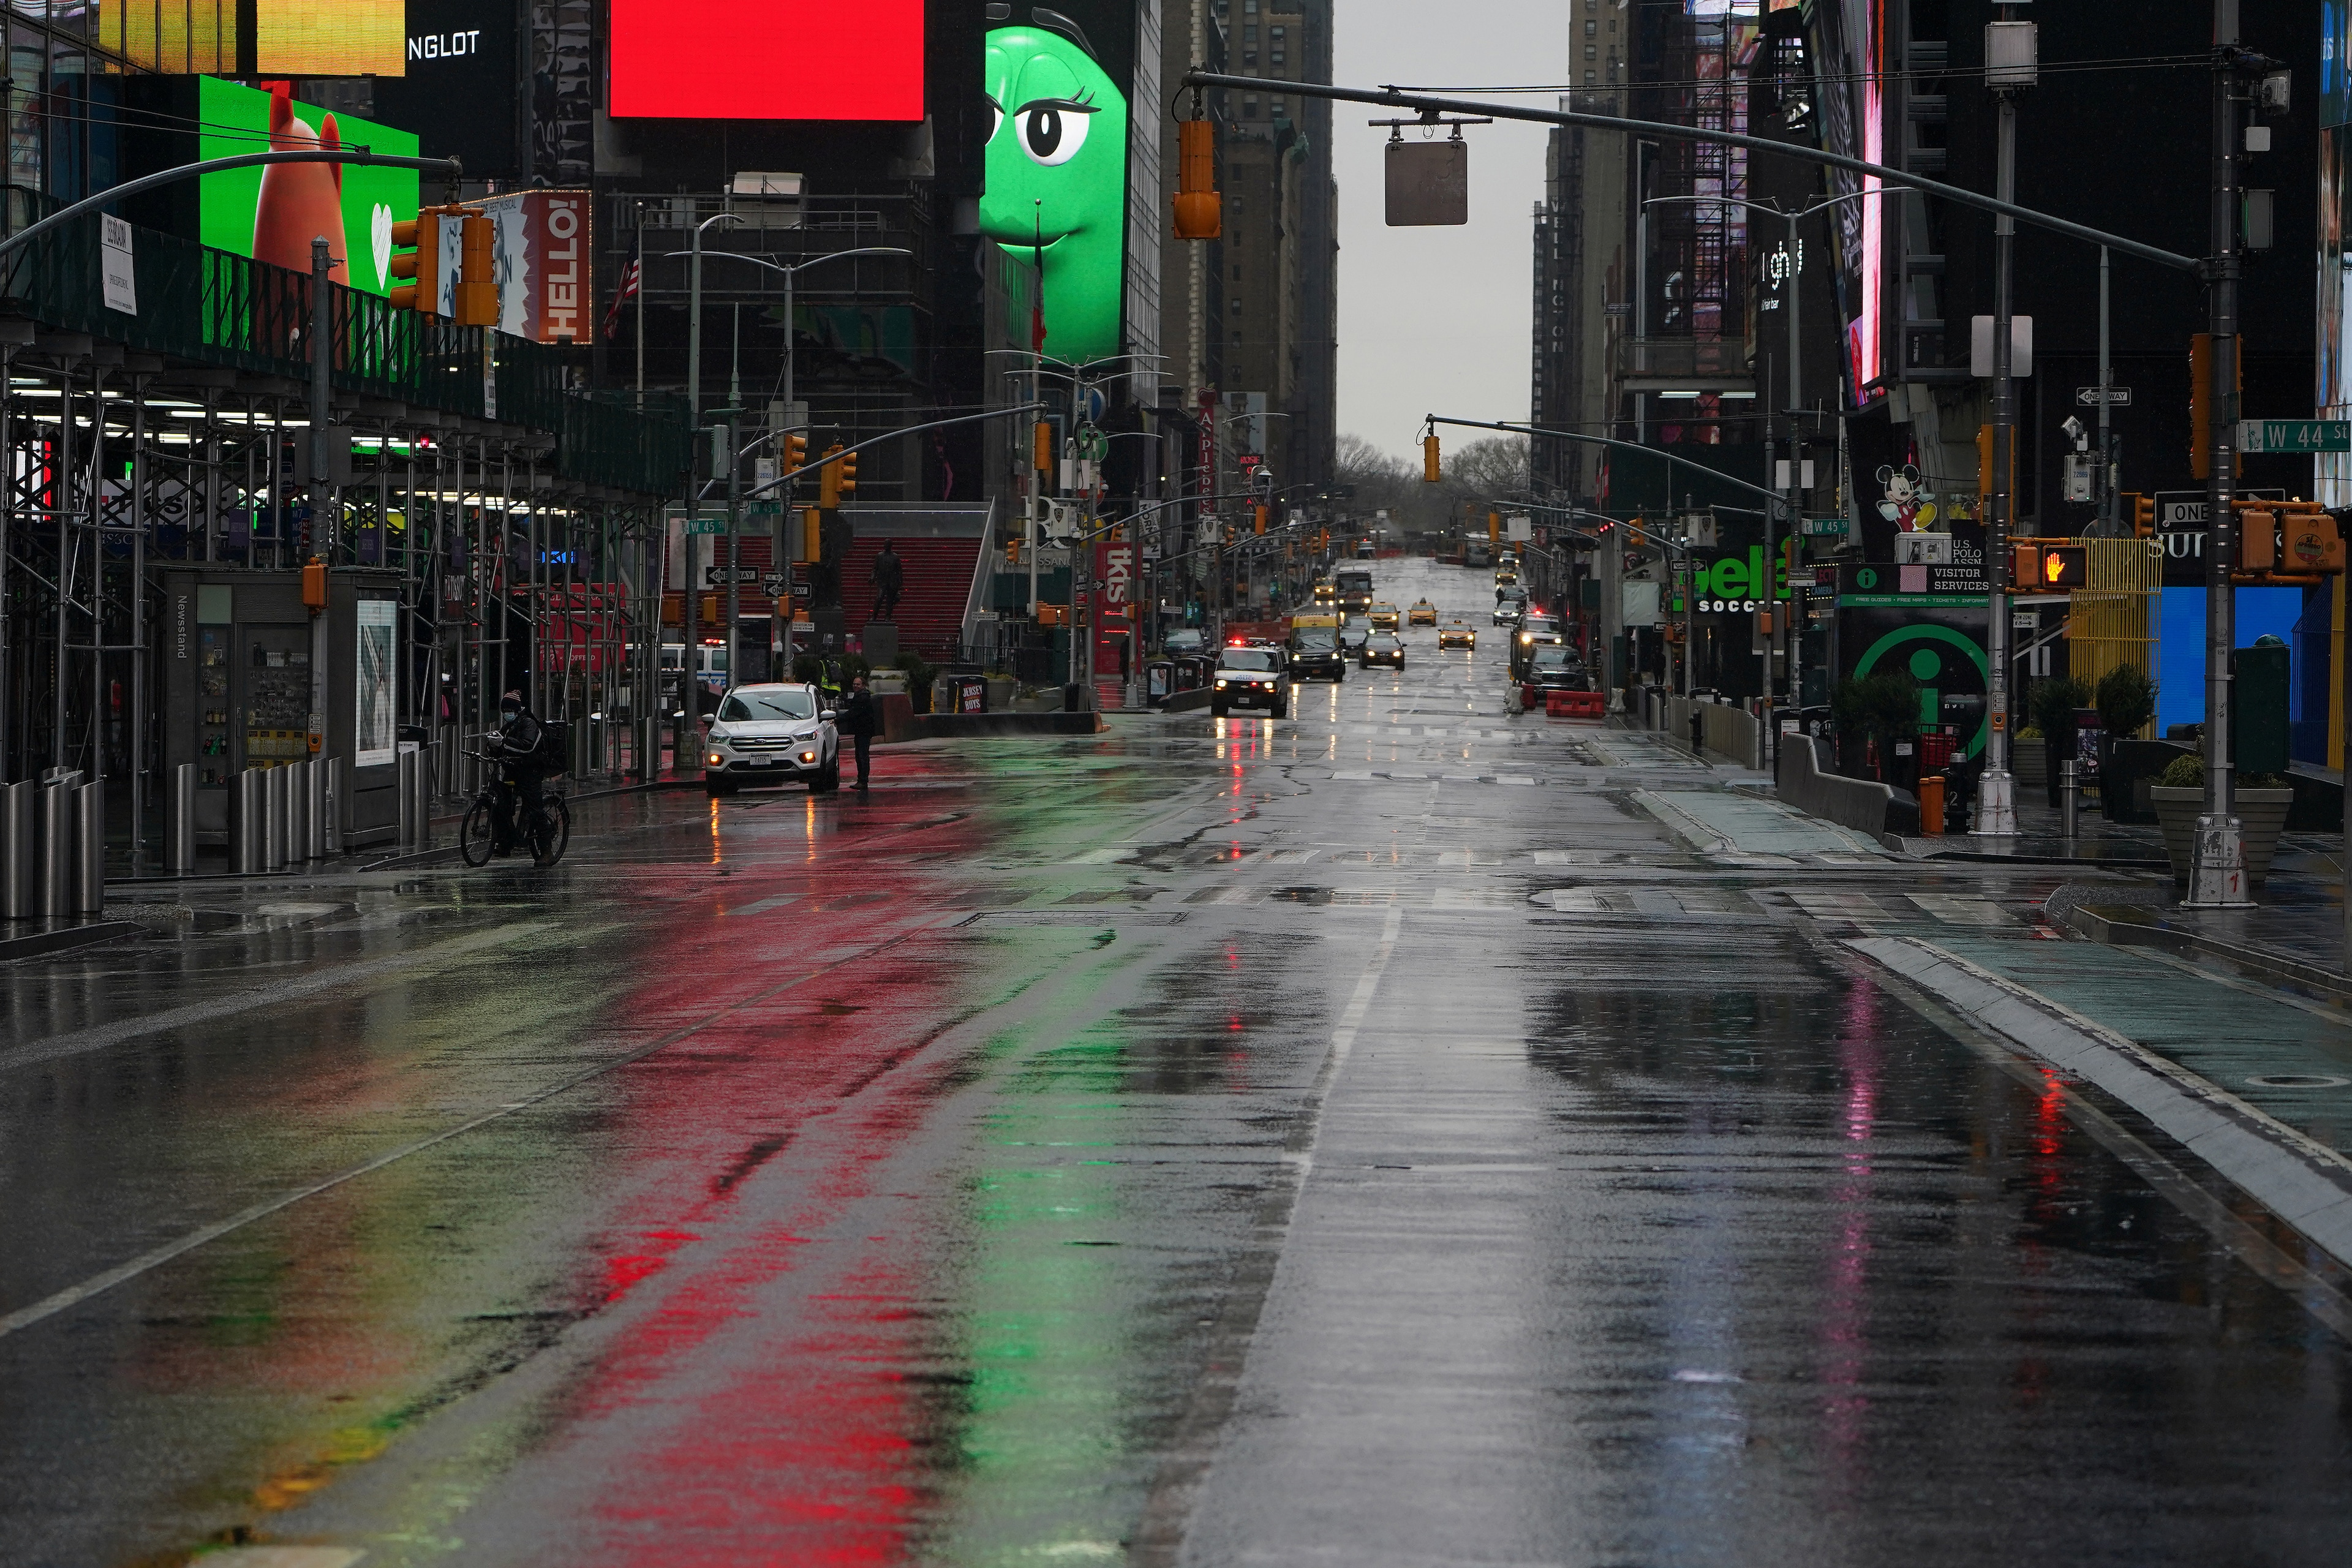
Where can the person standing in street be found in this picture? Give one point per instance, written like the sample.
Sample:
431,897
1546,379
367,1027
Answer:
857,719
888,575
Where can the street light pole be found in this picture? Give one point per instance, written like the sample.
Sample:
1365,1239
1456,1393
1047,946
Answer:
1996,791
2217,877
689,598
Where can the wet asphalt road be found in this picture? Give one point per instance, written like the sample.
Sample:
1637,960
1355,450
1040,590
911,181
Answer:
1371,1138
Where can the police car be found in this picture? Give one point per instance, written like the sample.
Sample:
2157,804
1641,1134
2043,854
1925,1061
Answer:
1251,675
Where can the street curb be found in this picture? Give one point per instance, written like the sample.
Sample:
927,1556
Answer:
38,943
2127,925
2297,1178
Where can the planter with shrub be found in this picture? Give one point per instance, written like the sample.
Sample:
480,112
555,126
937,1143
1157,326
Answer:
2029,758
2126,700
2178,797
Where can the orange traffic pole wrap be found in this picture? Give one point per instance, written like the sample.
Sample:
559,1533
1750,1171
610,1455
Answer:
1199,210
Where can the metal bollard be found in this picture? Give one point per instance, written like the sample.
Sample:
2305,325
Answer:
58,849
255,786
20,877
89,849
338,787
2070,803
298,812
421,807
406,796
275,808
180,821
314,809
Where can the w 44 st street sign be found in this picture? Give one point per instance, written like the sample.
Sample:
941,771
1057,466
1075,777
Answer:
2296,436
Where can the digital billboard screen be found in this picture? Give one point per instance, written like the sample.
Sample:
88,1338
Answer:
1056,177
330,38
272,214
460,76
767,60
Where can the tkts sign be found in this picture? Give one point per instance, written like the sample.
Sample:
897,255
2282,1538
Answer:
1114,605
542,246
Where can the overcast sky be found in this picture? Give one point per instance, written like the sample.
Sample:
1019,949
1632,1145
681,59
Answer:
1436,319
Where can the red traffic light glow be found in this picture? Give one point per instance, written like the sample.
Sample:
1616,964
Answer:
767,60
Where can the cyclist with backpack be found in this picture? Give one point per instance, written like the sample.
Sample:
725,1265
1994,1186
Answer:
517,746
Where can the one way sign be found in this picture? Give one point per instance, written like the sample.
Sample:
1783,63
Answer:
2113,396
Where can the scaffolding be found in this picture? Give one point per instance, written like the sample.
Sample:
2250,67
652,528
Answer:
2107,624
515,520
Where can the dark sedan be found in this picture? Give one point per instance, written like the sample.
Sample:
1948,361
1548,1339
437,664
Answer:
1383,647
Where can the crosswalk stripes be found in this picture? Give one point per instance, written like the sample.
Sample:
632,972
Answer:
1834,904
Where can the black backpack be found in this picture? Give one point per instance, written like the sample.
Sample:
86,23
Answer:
553,751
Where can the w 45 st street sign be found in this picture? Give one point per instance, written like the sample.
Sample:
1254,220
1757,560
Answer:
2298,435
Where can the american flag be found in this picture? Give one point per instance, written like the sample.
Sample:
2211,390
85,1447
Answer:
620,296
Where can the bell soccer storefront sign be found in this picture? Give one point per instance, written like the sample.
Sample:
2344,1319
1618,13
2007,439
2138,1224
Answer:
1114,603
1735,584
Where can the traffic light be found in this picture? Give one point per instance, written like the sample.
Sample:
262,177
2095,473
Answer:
477,292
1041,448
1494,527
2313,543
416,248
1984,465
1199,210
1261,512
1429,471
2065,566
828,479
1012,550
795,454
2200,400
2140,510
811,535
2257,541
847,482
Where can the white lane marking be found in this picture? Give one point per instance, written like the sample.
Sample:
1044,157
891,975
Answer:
32,1053
763,906
1359,1002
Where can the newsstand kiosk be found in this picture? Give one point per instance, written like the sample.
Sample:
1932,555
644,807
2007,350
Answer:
254,678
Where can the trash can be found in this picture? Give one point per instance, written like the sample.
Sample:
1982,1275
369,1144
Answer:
1931,806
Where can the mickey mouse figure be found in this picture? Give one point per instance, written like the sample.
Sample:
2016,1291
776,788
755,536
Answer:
1906,502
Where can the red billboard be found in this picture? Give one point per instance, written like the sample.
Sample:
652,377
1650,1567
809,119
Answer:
767,60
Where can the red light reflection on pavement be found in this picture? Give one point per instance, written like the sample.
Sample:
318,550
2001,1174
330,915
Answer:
748,1407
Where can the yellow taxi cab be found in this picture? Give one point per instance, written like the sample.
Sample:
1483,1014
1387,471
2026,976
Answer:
1384,618
1458,634
1423,613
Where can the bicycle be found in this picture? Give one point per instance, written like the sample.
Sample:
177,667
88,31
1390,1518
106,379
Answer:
478,832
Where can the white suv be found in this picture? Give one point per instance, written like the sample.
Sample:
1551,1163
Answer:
773,735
